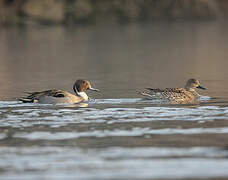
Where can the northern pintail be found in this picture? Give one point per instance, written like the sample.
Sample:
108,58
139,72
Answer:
55,96
184,95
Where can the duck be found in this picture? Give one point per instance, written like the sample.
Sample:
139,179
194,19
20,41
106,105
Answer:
185,95
55,96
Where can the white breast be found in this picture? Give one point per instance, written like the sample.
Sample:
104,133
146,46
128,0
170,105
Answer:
83,95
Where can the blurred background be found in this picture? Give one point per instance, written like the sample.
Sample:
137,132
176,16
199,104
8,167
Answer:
24,12
119,45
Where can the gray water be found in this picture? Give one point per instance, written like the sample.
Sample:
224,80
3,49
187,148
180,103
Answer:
117,135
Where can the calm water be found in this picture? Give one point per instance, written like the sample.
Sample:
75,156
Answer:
116,135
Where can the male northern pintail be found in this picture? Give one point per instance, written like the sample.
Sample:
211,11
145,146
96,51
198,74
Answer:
55,96
184,95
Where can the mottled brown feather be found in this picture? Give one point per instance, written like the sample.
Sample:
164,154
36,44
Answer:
174,95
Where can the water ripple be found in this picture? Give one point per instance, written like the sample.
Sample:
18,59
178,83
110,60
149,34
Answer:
112,163
118,132
30,116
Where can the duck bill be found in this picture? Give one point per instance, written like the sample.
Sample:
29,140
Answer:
93,89
201,87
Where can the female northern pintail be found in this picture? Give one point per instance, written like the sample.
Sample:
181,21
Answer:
55,96
184,95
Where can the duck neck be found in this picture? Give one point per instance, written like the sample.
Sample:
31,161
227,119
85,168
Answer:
192,90
80,94
187,87
195,93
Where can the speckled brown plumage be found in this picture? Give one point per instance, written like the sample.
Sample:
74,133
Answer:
175,95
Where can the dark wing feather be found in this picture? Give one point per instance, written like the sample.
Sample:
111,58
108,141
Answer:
154,90
174,90
36,95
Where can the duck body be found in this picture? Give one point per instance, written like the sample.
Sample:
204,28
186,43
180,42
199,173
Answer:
55,96
175,95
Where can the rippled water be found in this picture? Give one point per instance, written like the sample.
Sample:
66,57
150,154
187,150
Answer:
117,135
113,139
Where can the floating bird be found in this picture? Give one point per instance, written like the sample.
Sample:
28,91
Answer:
184,95
55,96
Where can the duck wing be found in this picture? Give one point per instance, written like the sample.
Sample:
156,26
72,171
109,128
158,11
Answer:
36,95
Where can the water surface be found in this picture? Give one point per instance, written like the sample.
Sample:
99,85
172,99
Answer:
117,135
